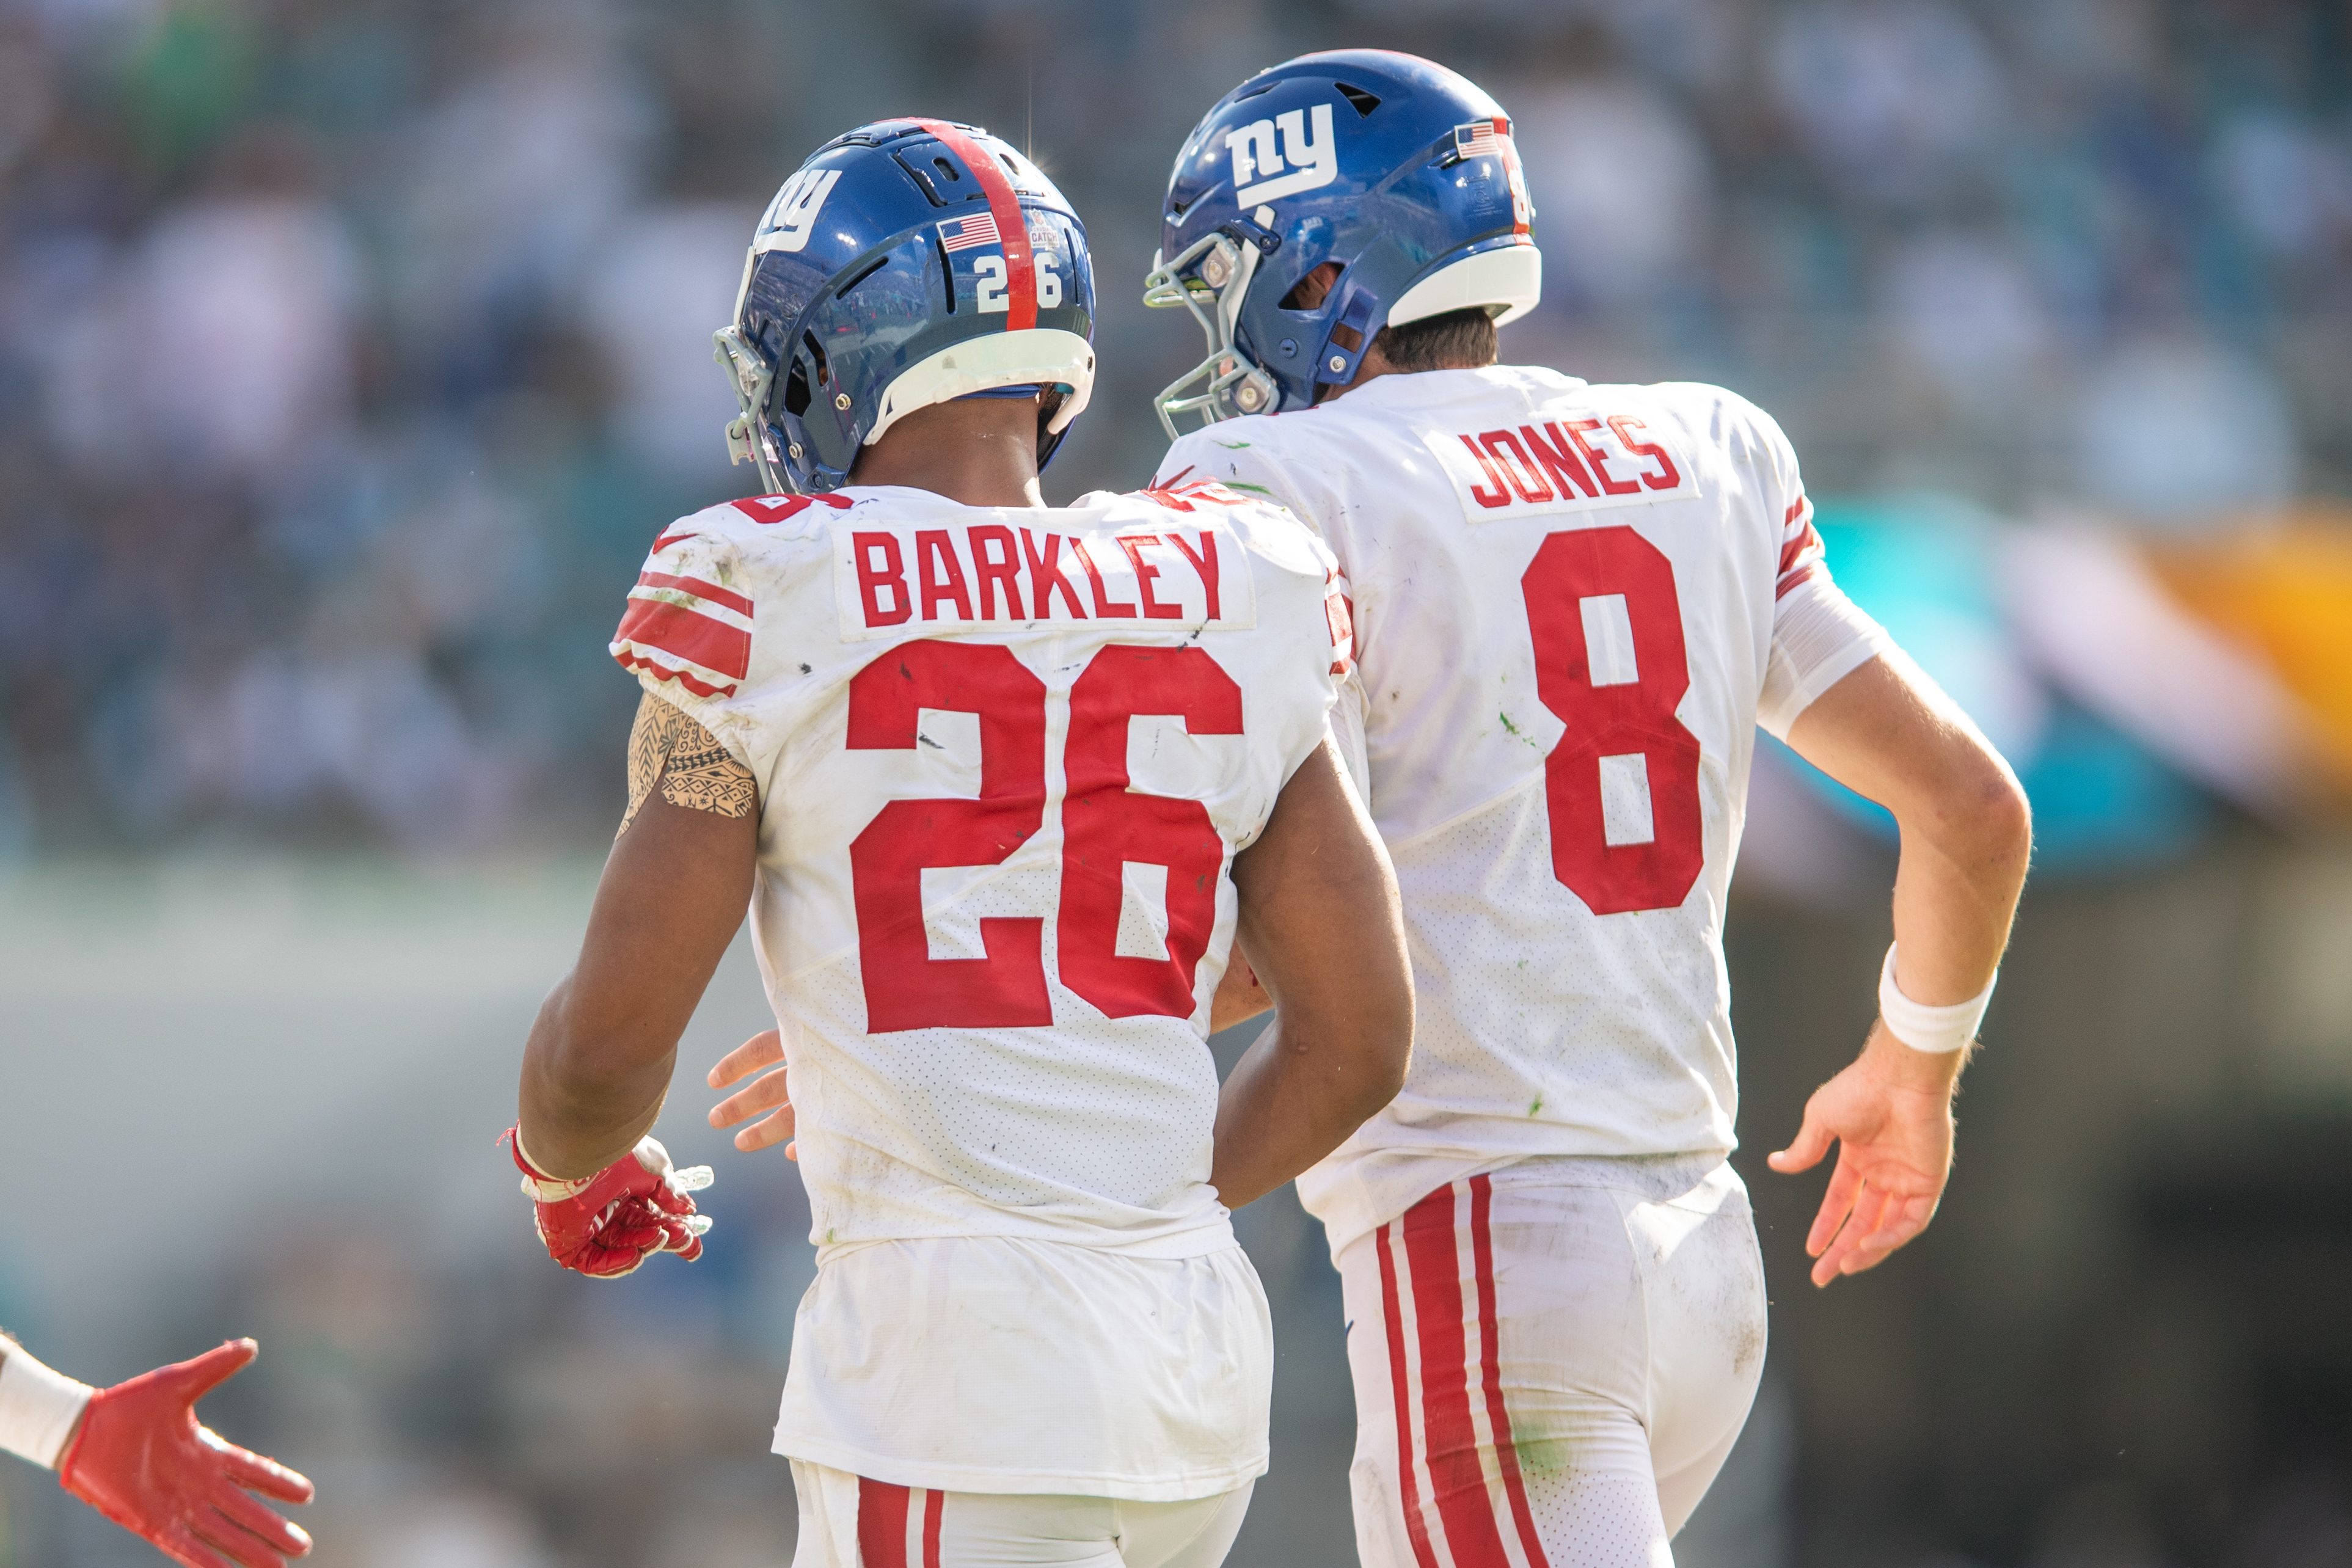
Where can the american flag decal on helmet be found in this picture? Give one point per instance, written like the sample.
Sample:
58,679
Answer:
686,630
1481,138
962,233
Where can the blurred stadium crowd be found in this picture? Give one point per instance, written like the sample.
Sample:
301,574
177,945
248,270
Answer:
350,353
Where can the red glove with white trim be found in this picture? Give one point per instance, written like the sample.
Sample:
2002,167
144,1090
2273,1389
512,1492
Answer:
140,1458
605,1225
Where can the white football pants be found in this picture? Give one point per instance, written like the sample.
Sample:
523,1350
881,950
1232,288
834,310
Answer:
1550,1376
849,1521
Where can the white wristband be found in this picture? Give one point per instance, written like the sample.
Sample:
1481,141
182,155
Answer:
1931,1030
38,1407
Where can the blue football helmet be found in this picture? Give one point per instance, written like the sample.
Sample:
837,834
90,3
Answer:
907,263
1396,168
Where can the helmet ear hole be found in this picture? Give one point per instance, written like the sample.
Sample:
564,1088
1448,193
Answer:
796,389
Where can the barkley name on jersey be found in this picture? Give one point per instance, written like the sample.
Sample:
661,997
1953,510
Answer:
1573,605
1006,757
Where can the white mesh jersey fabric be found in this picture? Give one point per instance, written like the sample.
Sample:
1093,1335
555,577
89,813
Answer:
1565,598
916,698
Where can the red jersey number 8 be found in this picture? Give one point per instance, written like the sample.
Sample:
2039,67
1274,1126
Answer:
1620,719
1106,824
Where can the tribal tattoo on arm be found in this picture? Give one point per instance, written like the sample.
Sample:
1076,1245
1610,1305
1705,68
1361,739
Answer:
693,769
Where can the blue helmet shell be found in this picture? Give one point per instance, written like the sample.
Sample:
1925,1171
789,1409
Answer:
1393,166
906,263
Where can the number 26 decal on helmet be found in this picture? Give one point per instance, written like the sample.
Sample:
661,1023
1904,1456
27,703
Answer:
907,263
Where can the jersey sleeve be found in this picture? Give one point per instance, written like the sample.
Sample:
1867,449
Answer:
1819,636
685,631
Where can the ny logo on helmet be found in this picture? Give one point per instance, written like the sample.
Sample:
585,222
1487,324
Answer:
1314,161
788,218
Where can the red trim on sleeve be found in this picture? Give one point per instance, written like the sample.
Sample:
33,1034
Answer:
683,634
630,660
700,588
1804,574
1792,550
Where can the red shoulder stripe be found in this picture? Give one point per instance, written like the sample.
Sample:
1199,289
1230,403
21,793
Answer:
629,660
681,632
700,588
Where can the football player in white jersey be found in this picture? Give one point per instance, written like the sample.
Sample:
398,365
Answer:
1574,606
136,1453
999,784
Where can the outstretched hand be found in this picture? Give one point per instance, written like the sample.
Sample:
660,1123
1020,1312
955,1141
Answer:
771,1094
140,1458
1890,1112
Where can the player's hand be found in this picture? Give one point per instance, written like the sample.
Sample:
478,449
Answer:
1891,1113
140,1457
606,1225
771,1094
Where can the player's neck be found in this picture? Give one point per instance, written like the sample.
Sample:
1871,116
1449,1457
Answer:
1376,364
982,452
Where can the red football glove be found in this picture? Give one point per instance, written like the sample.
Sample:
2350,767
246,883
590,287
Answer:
140,1459
607,1224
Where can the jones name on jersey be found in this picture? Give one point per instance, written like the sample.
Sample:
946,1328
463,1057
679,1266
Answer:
1573,605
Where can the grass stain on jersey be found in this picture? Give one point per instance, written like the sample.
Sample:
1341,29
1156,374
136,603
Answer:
1254,489
1230,445
1517,733
1535,1104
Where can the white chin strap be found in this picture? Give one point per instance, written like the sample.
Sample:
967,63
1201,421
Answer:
1045,355
1508,281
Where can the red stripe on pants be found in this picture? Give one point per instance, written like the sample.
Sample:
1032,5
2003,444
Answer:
1454,1472
1401,1395
1490,1367
934,1505
882,1524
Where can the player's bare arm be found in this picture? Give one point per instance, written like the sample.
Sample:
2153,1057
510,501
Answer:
674,892
1886,732
1320,917
1240,996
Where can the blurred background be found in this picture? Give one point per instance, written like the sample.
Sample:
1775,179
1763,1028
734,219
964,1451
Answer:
353,352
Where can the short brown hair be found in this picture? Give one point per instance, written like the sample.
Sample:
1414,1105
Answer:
1457,339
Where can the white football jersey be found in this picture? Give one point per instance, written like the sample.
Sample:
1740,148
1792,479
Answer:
1572,605
1004,759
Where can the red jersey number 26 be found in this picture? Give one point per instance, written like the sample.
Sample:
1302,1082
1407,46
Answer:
1105,824
1611,666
